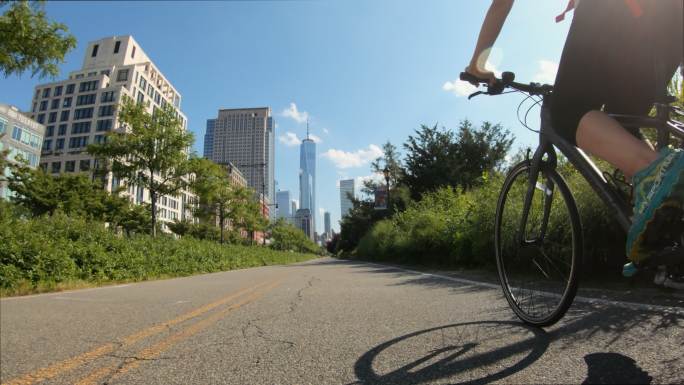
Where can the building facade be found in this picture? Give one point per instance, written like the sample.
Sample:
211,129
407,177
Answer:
23,137
346,190
209,138
304,221
327,234
83,108
307,176
245,137
284,208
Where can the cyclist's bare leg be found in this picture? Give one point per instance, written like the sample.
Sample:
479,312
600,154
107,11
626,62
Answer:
603,136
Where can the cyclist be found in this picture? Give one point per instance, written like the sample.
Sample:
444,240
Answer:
618,57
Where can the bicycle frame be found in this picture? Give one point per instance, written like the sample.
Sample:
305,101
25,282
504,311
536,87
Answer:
548,138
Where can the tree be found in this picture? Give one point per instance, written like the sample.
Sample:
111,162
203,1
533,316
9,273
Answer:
150,153
436,158
287,237
74,194
30,41
391,161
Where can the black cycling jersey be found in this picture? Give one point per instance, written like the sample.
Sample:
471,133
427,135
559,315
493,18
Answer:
615,60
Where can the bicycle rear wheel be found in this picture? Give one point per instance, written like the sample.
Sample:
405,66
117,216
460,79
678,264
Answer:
538,264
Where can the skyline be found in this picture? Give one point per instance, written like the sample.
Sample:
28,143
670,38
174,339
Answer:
362,72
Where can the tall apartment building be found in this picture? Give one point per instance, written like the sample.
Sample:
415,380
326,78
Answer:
22,136
83,108
346,190
307,177
245,137
284,208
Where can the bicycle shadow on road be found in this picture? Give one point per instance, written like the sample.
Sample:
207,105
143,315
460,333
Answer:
456,350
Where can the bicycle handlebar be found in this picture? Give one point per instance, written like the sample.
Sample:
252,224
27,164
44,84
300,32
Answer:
506,81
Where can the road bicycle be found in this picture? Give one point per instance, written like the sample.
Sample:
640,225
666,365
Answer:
538,233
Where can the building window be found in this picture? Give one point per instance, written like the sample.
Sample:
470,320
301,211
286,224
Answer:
55,104
47,145
107,97
83,113
35,141
95,47
16,133
143,83
56,167
52,117
49,130
67,102
106,110
70,88
99,139
122,75
46,93
105,72
141,97
59,144
104,125
35,107
3,126
116,46
85,99
41,118
84,165
78,142
70,166
78,76
157,97
87,86
64,116
133,53
58,91
150,90
80,128
61,130
43,105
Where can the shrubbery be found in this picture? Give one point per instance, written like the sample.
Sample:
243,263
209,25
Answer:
450,227
39,253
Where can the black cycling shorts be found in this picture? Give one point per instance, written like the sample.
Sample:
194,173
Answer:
615,60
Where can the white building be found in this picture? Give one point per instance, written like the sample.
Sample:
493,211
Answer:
22,136
81,109
346,190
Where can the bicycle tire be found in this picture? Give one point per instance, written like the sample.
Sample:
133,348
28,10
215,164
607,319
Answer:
569,289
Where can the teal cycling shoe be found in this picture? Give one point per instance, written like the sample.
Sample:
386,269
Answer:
658,203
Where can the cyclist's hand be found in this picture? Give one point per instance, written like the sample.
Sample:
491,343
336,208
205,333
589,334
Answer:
473,70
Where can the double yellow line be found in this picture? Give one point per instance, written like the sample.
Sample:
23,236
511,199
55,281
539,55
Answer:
254,293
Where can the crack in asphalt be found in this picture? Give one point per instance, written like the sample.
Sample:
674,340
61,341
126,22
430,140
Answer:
292,307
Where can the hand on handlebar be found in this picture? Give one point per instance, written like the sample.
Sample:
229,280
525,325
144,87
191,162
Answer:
488,75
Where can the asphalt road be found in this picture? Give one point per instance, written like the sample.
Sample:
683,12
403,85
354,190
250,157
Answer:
326,322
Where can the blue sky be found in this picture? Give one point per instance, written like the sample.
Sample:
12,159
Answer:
363,71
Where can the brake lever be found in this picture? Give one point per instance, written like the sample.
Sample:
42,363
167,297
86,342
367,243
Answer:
477,93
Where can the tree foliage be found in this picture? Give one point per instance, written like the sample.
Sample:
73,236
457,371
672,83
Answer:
438,157
30,41
286,237
151,152
76,195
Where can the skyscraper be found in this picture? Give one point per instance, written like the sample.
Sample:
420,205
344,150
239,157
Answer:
284,208
346,189
307,176
245,137
326,221
209,138
81,109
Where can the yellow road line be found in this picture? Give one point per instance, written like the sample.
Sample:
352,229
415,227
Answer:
158,348
71,363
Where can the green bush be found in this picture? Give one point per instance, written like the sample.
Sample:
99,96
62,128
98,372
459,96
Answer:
286,237
450,227
48,250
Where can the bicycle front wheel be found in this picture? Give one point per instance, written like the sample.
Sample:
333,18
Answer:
539,261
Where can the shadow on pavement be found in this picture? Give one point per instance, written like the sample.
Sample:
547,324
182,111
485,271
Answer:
457,351
614,368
